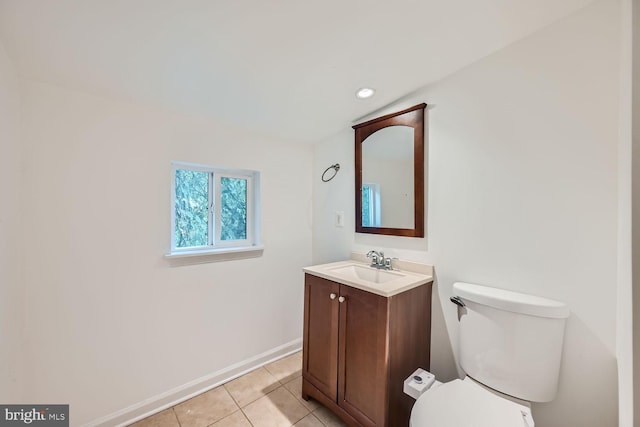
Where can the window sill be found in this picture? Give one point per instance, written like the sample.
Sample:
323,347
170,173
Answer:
221,253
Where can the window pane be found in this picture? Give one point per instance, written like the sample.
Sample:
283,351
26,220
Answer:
192,208
233,215
366,206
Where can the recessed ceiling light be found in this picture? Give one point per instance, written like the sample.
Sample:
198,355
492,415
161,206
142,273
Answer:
365,92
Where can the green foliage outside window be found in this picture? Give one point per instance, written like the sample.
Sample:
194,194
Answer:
191,208
192,201
366,206
233,219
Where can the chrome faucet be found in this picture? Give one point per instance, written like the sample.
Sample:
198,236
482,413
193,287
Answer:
378,260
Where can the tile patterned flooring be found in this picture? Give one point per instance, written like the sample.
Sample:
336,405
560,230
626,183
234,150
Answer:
270,396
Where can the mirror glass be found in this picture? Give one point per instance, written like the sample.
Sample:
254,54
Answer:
389,172
387,178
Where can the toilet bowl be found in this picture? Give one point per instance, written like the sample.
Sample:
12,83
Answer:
510,347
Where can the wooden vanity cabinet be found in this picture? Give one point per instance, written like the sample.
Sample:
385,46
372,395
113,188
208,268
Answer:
359,347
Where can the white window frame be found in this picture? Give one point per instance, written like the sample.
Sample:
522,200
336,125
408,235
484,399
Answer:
215,244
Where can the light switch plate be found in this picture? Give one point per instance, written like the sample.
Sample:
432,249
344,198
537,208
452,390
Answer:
339,219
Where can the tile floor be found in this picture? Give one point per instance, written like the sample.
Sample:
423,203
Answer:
270,396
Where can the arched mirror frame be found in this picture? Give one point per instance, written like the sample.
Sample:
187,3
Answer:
412,117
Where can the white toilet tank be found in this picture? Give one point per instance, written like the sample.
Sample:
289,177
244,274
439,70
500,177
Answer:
511,342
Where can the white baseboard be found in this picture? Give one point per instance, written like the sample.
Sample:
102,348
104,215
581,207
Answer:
193,388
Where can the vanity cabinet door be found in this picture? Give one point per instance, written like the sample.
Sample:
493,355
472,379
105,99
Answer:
320,335
362,376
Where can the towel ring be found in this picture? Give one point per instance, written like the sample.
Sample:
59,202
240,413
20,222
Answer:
335,167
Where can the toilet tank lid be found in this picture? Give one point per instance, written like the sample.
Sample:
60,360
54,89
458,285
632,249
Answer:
511,301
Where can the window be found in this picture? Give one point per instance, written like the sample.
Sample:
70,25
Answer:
371,205
213,209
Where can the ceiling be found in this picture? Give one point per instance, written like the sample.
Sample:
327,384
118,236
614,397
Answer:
285,68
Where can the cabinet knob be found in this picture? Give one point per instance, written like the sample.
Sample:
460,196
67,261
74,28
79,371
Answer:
332,295
341,299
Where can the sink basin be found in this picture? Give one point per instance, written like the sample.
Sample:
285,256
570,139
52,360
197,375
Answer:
370,274
360,275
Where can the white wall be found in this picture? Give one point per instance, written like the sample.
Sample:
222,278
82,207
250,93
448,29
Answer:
110,322
11,295
635,198
522,194
625,316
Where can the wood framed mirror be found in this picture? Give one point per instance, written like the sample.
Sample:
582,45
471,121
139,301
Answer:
389,170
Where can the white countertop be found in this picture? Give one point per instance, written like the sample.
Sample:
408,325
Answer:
392,282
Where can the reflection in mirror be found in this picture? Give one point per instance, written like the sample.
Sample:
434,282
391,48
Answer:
389,157
387,178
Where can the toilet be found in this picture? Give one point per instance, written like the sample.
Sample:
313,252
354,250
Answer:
510,347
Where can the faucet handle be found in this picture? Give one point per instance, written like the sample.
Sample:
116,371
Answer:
374,257
388,261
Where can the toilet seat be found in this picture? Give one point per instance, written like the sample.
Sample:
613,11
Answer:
465,403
